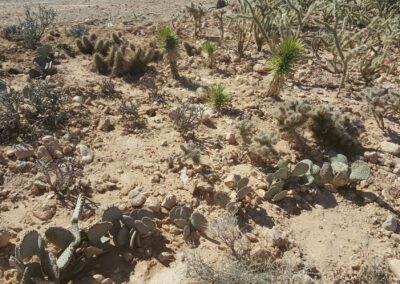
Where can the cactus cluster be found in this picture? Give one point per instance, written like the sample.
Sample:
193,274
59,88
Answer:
129,230
337,173
293,114
263,146
234,204
197,12
75,248
338,130
187,220
382,103
117,56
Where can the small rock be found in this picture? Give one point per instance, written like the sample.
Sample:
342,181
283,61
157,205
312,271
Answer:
394,265
260,68
251,237
78,99
153,204
5,237
105,125
169,201
231,138
230,181
136,197
98,278
43,154
164,143
165,257
23,151
390,148
371,157
279,239
107,281
53,146
86,154
156,178
390,223
45,211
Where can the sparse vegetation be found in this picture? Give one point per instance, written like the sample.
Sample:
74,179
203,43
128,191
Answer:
209,49
218,96
168,40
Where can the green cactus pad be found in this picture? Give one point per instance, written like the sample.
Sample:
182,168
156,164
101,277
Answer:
326,173
360,170
198,221
97,231
180,212
111,214
76,215
339,158
139,214
181,223
186,232
243,192
233,207
340,179
123,237
60,237
132,241
50,268
66,257
128,221
300,169
274,189
221,198
32,269
280,196
30,245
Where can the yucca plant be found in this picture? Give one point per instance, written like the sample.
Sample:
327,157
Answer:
209,49
284,56
168,40
218,96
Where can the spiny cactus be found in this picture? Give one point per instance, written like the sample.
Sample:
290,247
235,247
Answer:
383,103
241,187
338,130
86,44
197,12
209,49
187,220
168,40
75,248
263,146
218,95
284,56
129,230
192,152
245,128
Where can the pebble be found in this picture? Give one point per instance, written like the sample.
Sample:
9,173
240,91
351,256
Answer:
136,197
390,223
153,204
23,151
43,154
231,138
390,148
169,201
105,125
45,211
86,154
371,157
230,181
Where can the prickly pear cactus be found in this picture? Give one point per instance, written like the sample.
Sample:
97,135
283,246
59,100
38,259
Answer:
187,220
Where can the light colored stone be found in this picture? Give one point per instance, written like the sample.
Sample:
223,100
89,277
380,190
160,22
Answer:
136,197
105,125
390,223
260,68
107,281
43,154
5,237
53,146
44,211
23,151
86,154
78,99
391,148
230,181
371,156
394,265
169,201
165,256
153,204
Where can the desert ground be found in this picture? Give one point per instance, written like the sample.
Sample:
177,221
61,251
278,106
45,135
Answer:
104,142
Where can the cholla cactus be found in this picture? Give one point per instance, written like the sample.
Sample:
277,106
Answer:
187,220
197,12
245,128
241,187
337,130
382,103
168,40
86,44
263,146
209,49
291,116
284,56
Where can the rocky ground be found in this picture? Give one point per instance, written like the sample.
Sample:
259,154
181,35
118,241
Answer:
334,237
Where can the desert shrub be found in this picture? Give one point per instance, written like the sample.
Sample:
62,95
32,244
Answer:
382,103
130,115
108,89
34,25
209,49
337,130
11,33
9,113
245,128
44,104
168,41
284,56
262,147
197,12
77,31
191,152
218,96
187,117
